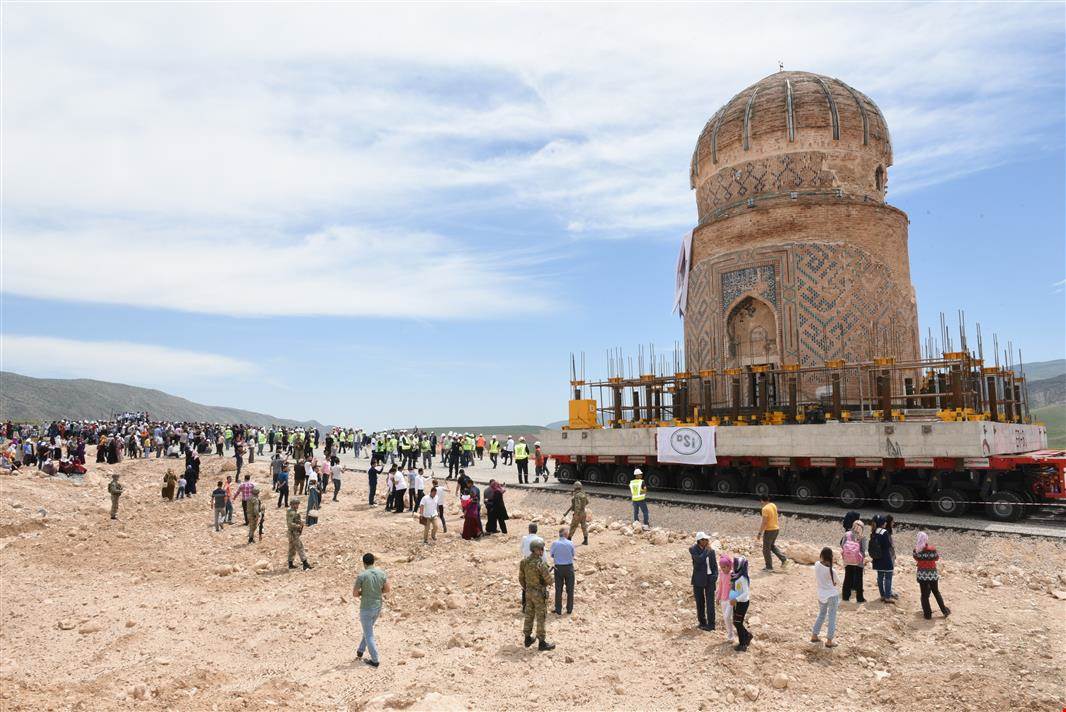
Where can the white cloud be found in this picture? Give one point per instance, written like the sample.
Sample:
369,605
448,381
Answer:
226,122
340,271
119,361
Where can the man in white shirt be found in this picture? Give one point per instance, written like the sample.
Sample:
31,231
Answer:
338,473
400,489
440,503
427,510
414,496
508,451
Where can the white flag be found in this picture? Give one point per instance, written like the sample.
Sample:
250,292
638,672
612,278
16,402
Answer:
684,260
686,445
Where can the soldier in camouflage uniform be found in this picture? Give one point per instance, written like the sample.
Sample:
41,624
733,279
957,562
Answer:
255,510
534,577
578,502
115,490
295,526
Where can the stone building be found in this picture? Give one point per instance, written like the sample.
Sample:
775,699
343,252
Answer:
797,258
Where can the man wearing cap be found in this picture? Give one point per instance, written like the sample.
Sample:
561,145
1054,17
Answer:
578,502
295,526
534,577
115,490
254,508
704,579
638,492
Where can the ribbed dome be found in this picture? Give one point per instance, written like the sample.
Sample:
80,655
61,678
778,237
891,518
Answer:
791,111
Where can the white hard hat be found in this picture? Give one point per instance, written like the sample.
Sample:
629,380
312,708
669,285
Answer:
638,471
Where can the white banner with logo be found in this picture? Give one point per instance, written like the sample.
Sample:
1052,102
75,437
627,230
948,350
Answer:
686,445
684,260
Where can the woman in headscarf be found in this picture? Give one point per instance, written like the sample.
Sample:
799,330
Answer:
721,594
926,556
495,508
170,484
883,554
471,516
853,553
740,596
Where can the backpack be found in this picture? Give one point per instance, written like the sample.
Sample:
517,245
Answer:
875,547
851,552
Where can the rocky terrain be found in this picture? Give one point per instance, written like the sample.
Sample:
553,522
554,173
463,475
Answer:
156,611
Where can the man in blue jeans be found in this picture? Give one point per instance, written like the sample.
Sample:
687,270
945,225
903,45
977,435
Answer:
369,588
638,492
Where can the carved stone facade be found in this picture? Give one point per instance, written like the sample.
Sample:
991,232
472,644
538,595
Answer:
797,259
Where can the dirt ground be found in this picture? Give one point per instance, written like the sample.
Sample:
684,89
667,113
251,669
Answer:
157,611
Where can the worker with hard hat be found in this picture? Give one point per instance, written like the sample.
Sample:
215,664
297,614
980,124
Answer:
638,493
521,458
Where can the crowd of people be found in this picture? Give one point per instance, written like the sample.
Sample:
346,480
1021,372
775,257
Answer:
721,582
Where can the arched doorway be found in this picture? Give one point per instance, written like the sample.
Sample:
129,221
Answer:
751,331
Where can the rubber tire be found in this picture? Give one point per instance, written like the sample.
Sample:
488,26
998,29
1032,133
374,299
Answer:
566,473
656,479
941,500
622,477
594,473
898,499
850,494
726,485
688,482
1001,501
764,486
811,488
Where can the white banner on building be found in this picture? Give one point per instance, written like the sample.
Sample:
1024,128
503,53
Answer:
684,261
686,445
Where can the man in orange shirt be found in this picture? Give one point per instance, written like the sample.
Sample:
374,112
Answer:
768,531
480,446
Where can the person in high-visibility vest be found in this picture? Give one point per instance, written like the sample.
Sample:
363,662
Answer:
521,459
494,451
427,452
479,444
638,492
262,441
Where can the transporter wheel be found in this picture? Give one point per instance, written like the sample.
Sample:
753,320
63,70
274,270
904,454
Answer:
566,473
687,482
594,473
764,486
657,479
805,492
622,476
850,494
1004,507
898,499
726,484
950,502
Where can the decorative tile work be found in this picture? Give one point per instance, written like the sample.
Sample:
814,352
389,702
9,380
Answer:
760,281
778,174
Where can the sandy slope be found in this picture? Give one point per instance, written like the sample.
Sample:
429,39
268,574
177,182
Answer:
99,614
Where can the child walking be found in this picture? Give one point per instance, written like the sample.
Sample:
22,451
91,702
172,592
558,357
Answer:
725,584
740,596
828,598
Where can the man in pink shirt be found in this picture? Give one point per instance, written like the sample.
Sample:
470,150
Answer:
245,489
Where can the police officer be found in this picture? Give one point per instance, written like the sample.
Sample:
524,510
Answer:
534,577
115,490
578,502
295,526
255,511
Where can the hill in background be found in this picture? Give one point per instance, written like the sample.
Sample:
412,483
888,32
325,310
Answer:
23,399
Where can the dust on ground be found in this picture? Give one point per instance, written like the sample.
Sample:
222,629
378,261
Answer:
157,611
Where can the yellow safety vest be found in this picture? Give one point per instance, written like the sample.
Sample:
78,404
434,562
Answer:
634,489
521,452
494,446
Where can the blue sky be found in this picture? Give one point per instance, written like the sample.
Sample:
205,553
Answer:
385,215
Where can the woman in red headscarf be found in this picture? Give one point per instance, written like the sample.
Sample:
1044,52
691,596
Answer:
471,516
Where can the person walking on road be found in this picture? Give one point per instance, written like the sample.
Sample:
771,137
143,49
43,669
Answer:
579,502
768,531
704,579
370,588
562,553
638,493
534,577
521,458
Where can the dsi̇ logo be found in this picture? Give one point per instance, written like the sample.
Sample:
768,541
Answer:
686,441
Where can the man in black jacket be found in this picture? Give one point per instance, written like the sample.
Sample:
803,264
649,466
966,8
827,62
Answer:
704,579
